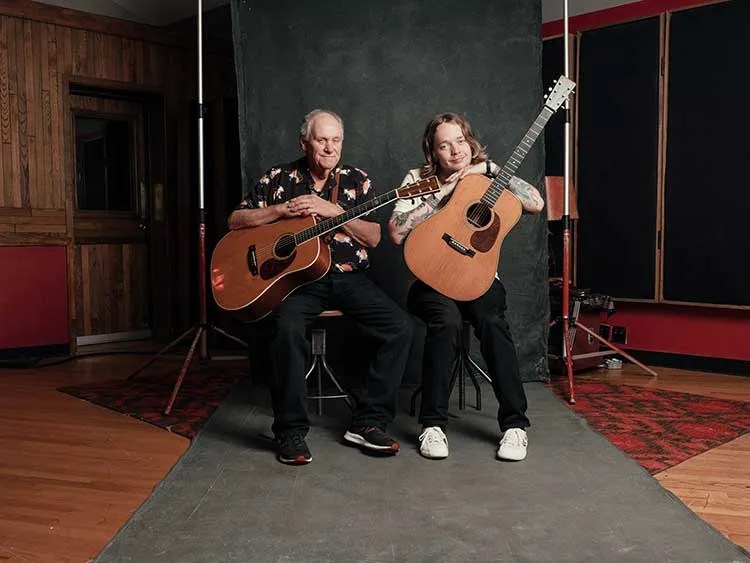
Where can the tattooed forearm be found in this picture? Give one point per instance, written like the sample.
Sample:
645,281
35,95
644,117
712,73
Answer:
530,197
401,224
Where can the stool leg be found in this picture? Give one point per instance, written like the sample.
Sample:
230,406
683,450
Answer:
319,405
319,366
312,366
335,382
480,370
461,385
477,391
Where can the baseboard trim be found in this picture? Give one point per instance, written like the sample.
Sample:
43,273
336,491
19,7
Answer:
695,363
29,356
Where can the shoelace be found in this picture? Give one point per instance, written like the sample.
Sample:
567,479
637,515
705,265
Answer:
294,439
433,436
515,437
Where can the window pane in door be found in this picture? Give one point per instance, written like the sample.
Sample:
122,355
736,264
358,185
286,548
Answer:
104,164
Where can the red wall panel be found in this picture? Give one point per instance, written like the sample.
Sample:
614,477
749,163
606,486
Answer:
695,331
33,296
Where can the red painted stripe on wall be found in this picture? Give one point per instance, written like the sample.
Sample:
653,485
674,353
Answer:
694,331
619,14
33,296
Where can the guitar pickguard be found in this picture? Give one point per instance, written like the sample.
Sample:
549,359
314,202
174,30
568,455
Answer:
484,240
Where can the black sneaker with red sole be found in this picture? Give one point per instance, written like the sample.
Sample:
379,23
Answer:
371,438
292,449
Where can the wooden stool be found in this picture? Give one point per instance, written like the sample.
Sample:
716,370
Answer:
320,365
464,365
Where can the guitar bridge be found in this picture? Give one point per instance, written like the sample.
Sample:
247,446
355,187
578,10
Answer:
252,260
457,246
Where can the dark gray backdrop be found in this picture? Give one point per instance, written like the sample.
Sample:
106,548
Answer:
387,67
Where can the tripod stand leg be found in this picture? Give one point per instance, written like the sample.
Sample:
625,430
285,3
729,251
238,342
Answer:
611,346
568,348
228,336
183,369
164,350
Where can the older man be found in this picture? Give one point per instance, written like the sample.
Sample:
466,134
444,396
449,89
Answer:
305,187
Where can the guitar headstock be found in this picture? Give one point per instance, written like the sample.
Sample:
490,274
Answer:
426,186
559,93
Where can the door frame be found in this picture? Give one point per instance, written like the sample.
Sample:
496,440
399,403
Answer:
155,172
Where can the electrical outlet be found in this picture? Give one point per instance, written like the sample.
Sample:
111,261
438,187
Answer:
605,331
619,335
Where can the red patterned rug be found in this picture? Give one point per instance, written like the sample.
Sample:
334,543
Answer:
657,428
145,397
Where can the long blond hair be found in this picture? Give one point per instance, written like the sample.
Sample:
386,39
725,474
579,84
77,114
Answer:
430,167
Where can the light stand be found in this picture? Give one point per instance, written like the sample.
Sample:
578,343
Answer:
568,331
201,329
567,342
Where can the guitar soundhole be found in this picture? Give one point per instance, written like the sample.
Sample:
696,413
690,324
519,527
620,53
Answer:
284,247
479,215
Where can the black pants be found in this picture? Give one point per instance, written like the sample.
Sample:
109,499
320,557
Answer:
444,317
358,297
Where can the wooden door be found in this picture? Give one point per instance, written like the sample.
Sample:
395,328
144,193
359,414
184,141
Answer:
111,255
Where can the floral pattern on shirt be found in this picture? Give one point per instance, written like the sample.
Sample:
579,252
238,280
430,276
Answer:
284,182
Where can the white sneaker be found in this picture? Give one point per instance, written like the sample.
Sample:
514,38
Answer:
513,445
433,444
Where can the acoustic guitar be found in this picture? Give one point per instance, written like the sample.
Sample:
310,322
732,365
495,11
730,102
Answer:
456,250
255,269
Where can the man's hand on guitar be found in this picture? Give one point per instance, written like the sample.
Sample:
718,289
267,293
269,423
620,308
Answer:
309,204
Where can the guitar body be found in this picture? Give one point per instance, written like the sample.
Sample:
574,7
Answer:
250,271
456,250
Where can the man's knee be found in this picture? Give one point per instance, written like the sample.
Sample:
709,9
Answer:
446,321
493,324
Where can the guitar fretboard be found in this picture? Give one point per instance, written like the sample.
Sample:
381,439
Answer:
502,180
333,223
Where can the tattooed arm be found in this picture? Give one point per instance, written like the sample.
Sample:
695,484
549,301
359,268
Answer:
530,197
401,224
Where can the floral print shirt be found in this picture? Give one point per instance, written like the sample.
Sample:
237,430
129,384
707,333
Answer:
287,181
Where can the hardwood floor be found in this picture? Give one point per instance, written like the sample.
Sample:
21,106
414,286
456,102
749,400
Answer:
716,483
72,473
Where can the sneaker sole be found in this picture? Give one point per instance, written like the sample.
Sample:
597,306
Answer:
358,440
432,456
510,458
299,460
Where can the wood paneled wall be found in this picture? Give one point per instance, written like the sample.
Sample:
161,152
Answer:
44,49
36,61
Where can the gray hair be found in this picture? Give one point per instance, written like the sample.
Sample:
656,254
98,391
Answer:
304,130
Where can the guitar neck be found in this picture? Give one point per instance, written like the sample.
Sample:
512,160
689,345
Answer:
333,223
511,166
